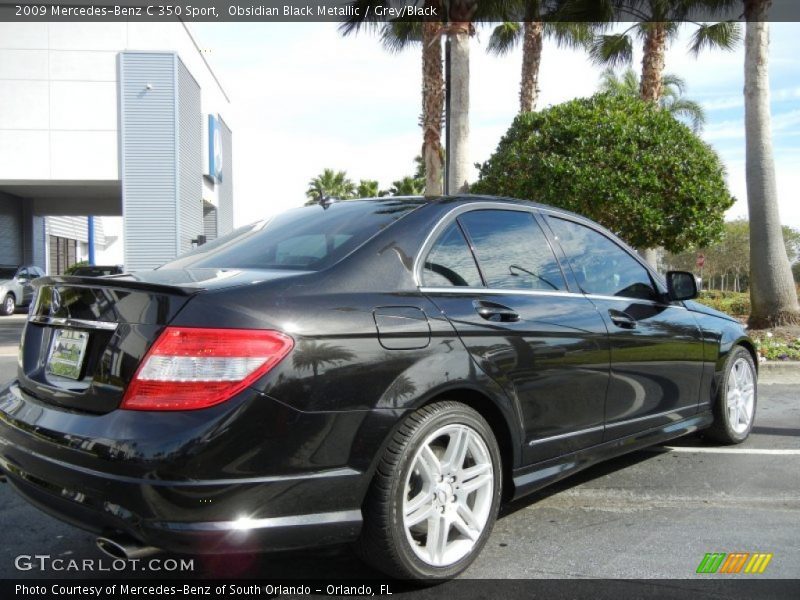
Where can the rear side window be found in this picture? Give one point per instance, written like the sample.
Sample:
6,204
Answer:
601,266
307,239
512,250
450,262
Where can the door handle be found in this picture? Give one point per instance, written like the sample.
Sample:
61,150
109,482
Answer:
496,312
622,319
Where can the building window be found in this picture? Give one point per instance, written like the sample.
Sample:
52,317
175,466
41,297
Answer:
63,254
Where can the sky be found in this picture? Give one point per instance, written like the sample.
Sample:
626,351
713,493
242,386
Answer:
305,98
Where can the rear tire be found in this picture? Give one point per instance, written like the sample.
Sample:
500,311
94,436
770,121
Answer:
735,406
9,305
435,495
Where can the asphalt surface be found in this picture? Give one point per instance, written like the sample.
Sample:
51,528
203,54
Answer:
649,515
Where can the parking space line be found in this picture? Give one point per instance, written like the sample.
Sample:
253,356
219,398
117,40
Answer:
763,451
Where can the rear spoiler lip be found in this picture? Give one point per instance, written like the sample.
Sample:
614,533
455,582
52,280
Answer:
115,281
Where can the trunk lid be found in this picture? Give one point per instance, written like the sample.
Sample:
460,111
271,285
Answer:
86,336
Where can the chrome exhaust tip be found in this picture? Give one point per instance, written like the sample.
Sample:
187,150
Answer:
124,548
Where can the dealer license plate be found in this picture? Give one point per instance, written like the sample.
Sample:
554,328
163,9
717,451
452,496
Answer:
66,353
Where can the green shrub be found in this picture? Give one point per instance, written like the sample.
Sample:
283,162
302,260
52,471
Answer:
620,161
736,304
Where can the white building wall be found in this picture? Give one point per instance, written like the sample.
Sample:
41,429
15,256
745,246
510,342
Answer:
58,93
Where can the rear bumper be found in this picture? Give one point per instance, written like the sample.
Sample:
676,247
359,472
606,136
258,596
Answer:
190,491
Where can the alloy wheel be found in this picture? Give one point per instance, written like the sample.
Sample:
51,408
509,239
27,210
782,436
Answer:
741,395
448,495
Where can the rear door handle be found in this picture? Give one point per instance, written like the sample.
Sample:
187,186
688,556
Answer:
622,319
496,312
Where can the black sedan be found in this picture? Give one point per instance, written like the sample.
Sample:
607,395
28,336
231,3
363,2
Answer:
381,371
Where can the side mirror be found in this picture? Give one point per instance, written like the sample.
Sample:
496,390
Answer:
681,285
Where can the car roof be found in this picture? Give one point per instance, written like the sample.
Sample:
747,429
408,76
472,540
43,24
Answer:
462,199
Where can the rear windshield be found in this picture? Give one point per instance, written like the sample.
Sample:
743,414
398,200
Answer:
310,238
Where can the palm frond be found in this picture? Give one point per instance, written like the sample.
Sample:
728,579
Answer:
612,50
690,110
398,35
570,34
358,21
672,81
626,84
577,11
504,38
671,28
725,35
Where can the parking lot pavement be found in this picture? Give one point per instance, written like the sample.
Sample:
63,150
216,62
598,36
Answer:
651,514
10,330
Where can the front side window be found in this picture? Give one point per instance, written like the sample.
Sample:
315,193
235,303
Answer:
512,250
450,262
600,265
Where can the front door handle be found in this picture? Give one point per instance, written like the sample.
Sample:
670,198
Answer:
496,312
622,319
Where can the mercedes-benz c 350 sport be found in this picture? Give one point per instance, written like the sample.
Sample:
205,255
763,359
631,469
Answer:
384,372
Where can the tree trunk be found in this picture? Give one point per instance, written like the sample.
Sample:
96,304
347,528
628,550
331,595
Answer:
531,60
432,107
458,177
650,89
650,256
773,296
655,45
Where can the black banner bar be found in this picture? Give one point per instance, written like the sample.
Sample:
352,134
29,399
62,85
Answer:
528,589
352,10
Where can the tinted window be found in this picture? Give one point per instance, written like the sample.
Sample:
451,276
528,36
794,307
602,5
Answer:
23,274
95,271
7,273
600,265
450,262
512,250
309,238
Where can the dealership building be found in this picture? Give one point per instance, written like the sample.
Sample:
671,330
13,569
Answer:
110,120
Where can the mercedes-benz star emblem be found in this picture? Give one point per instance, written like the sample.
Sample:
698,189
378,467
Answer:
55,301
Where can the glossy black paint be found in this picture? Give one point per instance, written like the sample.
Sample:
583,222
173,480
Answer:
287,462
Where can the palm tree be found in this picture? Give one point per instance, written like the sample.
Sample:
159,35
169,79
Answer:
330,183
773,296
407,186
532,33
395,37
672,100
367,188
658,22
460,15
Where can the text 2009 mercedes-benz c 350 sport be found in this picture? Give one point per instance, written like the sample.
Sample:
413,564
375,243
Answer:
379,371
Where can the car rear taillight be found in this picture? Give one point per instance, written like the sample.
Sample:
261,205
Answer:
189,368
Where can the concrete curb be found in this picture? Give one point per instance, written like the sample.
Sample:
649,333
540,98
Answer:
780,365
774,371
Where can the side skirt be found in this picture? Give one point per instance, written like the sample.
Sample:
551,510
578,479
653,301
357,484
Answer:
534,477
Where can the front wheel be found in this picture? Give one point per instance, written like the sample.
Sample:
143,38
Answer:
435,495
9,305
735,406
